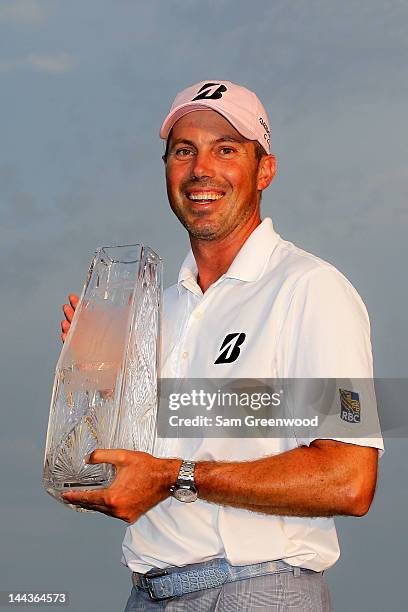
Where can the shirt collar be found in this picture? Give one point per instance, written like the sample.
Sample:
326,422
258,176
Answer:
250,261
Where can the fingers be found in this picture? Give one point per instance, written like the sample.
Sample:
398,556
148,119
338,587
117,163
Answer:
93,500
83,497
86,499
65,326
73,299
69,310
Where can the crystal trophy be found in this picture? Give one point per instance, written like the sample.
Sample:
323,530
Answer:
105,387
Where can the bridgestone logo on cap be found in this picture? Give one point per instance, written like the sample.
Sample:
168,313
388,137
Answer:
207,92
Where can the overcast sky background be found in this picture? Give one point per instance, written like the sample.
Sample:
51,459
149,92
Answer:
84,87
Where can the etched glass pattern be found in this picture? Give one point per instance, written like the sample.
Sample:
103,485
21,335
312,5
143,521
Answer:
105,388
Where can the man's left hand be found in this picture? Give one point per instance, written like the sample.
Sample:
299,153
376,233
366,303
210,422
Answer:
141,482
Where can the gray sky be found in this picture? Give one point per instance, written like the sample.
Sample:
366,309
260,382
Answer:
84,88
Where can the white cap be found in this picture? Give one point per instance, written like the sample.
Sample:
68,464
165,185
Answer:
240,106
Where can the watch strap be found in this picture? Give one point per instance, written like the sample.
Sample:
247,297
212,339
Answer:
186,473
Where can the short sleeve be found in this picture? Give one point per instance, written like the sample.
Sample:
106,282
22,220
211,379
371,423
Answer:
326,336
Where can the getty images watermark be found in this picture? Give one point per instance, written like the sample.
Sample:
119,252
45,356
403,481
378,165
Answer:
196,410
229,399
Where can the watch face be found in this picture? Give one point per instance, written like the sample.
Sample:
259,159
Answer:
185,495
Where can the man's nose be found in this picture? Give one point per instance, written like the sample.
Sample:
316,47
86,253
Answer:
202,165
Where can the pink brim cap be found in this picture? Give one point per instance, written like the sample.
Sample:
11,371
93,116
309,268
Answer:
238,105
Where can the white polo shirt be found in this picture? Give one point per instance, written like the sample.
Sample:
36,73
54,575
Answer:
301,319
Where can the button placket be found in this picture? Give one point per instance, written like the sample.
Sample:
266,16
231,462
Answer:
196,314
183,353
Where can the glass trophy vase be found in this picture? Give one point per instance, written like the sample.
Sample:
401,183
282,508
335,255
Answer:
105,387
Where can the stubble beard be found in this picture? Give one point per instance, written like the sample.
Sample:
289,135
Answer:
208,231
213,230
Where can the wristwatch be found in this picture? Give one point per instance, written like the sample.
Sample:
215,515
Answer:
185,490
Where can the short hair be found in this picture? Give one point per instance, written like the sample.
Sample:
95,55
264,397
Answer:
259,151
166,152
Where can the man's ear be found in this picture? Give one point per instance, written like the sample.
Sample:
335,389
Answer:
266,171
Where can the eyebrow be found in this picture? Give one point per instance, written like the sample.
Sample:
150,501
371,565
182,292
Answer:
225,138
181,141
230,139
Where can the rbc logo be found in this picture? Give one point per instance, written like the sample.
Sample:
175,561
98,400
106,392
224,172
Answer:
350,418
350,406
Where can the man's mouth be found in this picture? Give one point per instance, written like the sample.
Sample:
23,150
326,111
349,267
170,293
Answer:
204,196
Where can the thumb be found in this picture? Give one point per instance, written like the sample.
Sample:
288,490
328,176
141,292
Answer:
102,455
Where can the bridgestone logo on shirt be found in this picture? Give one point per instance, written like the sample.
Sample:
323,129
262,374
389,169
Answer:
230,350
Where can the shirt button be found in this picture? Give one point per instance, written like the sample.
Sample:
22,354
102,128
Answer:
184,355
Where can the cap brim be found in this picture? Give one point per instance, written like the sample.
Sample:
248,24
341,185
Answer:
189,107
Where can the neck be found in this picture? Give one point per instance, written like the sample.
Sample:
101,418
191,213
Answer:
214,257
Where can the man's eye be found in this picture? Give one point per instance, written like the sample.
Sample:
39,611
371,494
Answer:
227,150
183,152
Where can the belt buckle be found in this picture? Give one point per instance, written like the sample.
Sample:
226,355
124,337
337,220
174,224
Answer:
150,576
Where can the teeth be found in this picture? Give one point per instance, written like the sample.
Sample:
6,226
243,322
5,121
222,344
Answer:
205,196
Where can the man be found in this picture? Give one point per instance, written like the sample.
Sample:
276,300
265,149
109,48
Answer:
247,305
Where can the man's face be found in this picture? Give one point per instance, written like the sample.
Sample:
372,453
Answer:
212,175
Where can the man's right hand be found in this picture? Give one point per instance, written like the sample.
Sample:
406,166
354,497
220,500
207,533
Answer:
68,310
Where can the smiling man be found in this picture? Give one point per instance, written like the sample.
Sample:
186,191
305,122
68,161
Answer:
204,145
214,180
247,304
